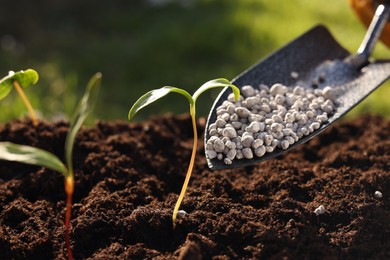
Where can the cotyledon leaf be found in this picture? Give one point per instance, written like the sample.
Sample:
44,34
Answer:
31,155
25,78
5,89
154,95
216,83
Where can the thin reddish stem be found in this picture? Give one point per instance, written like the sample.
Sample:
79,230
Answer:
69,188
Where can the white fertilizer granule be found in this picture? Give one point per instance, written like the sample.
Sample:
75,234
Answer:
320,210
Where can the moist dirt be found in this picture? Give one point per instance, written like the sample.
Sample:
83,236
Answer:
128,177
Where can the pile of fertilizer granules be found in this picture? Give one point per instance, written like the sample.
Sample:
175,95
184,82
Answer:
265,119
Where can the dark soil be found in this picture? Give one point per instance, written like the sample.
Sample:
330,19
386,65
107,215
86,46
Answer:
128,176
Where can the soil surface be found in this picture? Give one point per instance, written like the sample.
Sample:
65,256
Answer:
128,176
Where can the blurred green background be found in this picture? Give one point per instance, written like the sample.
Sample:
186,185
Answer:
142,45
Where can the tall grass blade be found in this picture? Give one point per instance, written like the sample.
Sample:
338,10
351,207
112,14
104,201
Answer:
81,112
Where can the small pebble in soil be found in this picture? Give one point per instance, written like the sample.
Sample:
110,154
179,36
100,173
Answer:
378,194
320,210
322,230
181,214
267,118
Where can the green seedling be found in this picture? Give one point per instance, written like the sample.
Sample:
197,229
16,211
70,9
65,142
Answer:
156,94
39,157
19,80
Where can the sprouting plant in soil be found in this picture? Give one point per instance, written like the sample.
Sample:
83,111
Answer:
156,94
35,156
19,80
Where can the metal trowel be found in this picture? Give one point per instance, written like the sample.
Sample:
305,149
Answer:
319,61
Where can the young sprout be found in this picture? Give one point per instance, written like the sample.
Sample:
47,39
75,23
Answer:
156,94
19,80
35,156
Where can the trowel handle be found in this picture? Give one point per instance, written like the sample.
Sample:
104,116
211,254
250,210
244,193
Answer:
374,31
366,9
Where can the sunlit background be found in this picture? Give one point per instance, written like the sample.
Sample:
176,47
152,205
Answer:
140,45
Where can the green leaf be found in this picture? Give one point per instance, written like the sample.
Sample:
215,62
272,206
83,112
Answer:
154,95
216,83
31,155
81,112
25,78
5,89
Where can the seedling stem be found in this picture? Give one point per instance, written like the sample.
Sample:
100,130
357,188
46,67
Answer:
191,165
26,102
